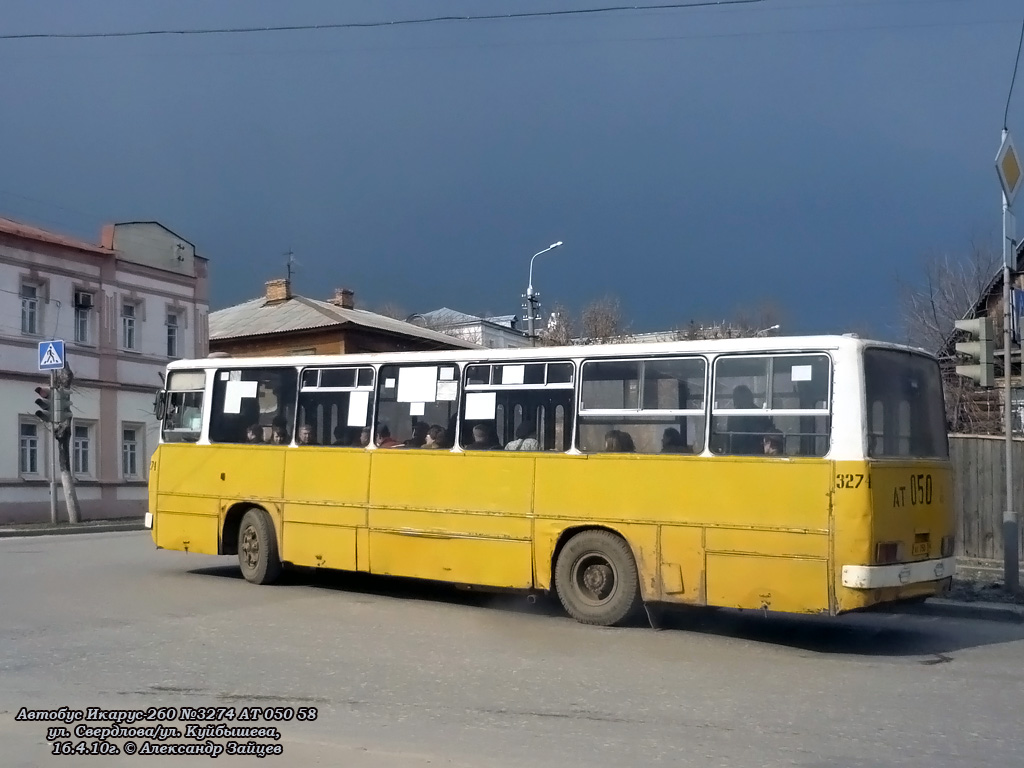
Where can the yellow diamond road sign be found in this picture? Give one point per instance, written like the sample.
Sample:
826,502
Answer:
1009,169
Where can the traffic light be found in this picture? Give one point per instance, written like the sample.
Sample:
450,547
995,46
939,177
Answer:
980,350
44,404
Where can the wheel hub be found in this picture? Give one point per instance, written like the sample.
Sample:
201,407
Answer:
595,577
250,547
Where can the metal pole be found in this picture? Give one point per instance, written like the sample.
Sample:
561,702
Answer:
1011,529
529,314
53,451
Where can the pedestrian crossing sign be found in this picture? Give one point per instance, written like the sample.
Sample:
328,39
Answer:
51,355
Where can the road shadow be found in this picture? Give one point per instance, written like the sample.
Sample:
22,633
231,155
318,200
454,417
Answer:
893,635
888,634
401,588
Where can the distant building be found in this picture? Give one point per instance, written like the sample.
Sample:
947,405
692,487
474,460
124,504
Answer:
282,323
124,308
495,332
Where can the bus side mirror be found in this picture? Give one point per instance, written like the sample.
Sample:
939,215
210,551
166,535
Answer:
160,405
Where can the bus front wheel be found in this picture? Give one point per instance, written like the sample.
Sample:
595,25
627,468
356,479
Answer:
257,548
596,579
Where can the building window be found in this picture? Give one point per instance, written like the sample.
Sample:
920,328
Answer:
172,334
81,450
130,451
28,449
129,312
30,295
83,316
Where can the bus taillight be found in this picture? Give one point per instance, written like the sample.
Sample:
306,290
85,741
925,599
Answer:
888,552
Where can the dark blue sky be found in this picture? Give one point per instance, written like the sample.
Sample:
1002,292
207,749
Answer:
693,161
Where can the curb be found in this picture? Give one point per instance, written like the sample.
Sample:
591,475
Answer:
32,529
961,609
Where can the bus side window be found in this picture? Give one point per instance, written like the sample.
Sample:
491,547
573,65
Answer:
413,398
643,405
253,400
335,404
518,406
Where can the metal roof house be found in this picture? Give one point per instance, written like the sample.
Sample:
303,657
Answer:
281,323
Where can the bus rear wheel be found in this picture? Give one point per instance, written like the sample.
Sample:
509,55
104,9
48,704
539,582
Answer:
596,579
257,548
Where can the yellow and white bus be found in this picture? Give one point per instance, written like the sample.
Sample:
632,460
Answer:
801,474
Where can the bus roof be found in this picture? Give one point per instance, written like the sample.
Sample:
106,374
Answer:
709,346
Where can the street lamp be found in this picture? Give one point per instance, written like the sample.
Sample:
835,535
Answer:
531,298
765,331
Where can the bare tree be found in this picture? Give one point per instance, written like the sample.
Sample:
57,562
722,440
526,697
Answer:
62,435
560,329
761,320
601,320
944,290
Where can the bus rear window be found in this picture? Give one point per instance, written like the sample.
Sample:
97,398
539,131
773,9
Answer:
906,415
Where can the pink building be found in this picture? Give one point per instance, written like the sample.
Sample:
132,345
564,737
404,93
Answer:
124,308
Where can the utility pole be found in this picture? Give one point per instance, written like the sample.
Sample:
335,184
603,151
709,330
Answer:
531,296
53,453
1009,169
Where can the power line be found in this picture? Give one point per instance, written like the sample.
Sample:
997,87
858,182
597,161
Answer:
372,24
1016,63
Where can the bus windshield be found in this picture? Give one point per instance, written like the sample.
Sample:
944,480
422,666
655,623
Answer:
904,405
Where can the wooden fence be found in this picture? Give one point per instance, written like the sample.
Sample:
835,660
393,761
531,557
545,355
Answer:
979,492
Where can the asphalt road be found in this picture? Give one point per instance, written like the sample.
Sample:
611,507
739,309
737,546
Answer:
405,674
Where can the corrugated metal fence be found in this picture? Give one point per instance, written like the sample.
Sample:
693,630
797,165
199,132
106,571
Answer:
979,491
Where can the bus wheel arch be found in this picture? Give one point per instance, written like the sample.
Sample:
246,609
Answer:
232,526
595,575
256,546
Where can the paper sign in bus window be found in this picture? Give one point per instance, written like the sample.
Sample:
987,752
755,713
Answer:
389,383
417,385
801,373
448,390
512,374
417,409
447,374
481,405
358,403
234,391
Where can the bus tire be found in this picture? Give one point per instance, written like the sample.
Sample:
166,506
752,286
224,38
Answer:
596,579
257,548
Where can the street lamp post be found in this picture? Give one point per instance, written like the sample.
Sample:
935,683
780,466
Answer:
765,331
531,297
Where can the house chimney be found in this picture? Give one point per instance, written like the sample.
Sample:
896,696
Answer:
278,290
344,298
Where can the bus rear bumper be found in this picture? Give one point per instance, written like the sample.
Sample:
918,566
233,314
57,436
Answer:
898,575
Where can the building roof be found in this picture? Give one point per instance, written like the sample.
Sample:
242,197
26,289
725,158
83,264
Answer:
26,232
260,317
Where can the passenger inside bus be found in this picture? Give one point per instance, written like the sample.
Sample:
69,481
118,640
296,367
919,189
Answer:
384,438
484,438
419,435
619,441
254,434
435,437
278,433
672,442
364,437
773,444
526,438
746,433
305,435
